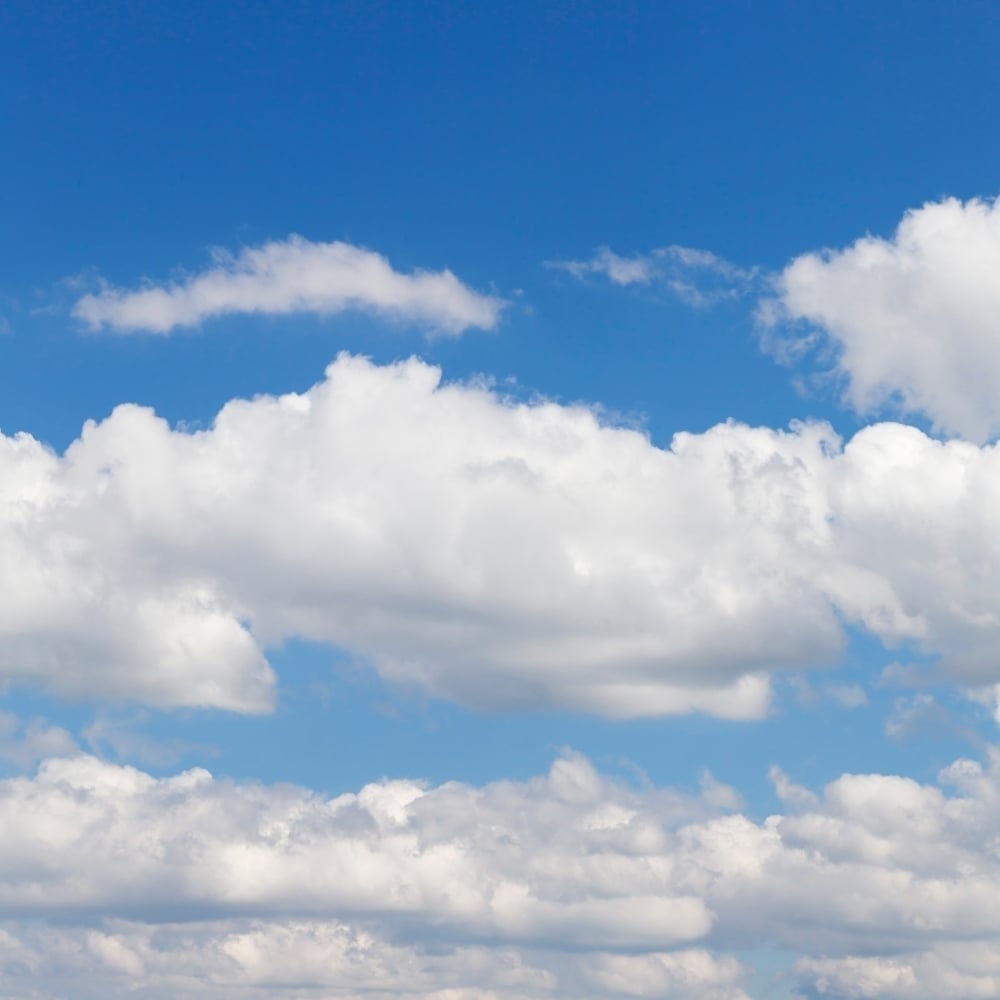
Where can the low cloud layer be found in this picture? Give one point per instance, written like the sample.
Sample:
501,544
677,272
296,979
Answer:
880,885
292,958
495,553
294,275
915,319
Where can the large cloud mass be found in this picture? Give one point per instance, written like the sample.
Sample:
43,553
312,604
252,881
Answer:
496,553
570,884
295,275
915,319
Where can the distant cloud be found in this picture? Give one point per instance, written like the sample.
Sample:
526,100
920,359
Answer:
698,277
24,743
289,276
810,696
619,270
913,321
847,695
566,885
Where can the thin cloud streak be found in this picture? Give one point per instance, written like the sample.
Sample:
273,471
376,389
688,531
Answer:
699,278
294,276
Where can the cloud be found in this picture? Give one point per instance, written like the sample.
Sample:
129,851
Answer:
294,275
25,743
948,971
127,738
568,884
847,695
913,319
288,959
499,554
698,277
637,270
395,850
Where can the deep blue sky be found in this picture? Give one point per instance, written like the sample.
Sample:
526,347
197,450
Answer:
486,139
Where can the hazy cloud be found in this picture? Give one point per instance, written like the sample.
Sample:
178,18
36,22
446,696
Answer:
698,277
566,885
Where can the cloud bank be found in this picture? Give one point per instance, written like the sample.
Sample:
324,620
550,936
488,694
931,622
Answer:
881,886
295,275
500,554
915,319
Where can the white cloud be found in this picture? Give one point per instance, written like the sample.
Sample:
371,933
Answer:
292,958
698,277
295,275
569,884
915,319
394,850
949,970
493,553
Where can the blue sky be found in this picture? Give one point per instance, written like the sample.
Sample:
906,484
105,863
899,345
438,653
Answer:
499,501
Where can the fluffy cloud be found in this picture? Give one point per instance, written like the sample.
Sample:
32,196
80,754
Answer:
913,319
569,884
495,553
445,860
698,277
328,959
450,891
947,970
295,275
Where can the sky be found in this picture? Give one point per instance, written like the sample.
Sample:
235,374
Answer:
499,502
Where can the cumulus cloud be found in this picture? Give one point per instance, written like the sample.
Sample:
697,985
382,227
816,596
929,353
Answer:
450,891
949,970
913,319
499,554
568,884
698,277
289,959
445,857
294,275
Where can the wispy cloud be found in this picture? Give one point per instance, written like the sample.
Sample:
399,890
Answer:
699,278
25,742
620,270
294,276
